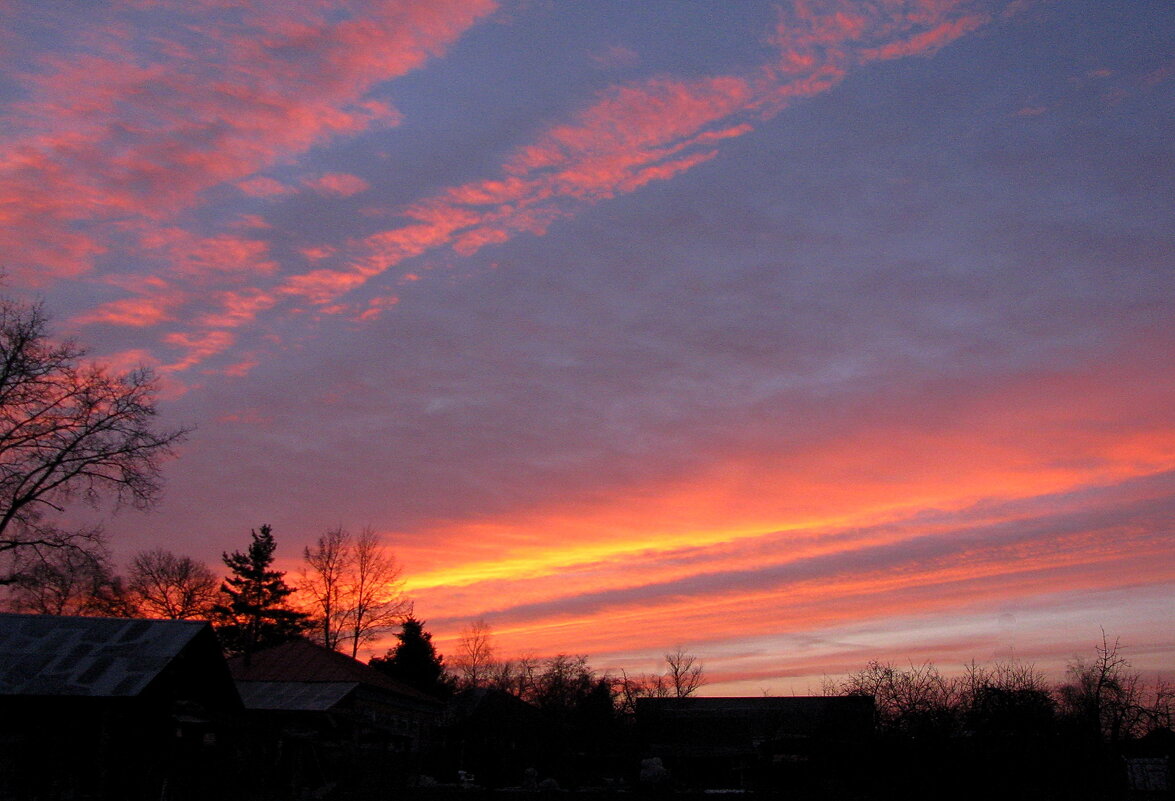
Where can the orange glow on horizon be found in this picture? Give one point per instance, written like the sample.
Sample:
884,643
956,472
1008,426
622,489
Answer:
760,544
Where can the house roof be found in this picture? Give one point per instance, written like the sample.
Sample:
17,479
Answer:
87,656
303,661
315,696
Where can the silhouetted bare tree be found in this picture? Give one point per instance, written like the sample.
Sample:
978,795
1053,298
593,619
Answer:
474,663
67,429
164,585
917,700
354,587
71,581
1009,700
1104,696
322,582
684,673
377,592
644,685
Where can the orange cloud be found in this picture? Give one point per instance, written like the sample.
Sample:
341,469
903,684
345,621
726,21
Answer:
1023,492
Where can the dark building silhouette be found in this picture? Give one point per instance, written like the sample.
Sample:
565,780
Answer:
318,718
111,707
755,743
493,736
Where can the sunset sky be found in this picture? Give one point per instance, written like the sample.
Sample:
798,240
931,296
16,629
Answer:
794,333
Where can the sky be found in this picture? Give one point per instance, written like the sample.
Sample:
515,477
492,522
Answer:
796,334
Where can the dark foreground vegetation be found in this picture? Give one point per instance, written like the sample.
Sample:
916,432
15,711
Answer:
108,708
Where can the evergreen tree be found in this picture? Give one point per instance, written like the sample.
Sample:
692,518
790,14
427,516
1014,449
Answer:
415,661
254,612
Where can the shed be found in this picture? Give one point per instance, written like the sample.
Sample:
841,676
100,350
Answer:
109,707
321,687
754,742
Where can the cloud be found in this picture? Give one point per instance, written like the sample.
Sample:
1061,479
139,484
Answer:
911,567
134,312
197,347
201,258
338,183
241,368
615,56
262,186
635,134
179,101
141,109
866,519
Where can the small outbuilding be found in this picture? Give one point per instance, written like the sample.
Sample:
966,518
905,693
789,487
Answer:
111,707
755,742
321,718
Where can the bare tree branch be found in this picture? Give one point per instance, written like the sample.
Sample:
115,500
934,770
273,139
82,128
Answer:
685,673
474,662
354,587
176,587
322,579
68,430
378,600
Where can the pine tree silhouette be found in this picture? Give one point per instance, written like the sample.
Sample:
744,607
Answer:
415,661
254,612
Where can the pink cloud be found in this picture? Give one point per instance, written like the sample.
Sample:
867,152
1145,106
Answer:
928,42
198,346
197,257
140,113
1160,75
264,187
470,242
323,286
840,33
133,312
338,183
635,134
252,417
236,308
241,368
378,306
127,360
214,101
250,221
318,252
633,124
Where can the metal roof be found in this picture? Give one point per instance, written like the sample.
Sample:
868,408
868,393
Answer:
300,660
87,656
294,695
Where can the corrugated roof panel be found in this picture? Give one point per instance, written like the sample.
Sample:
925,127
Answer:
316,696
88,656
300,661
